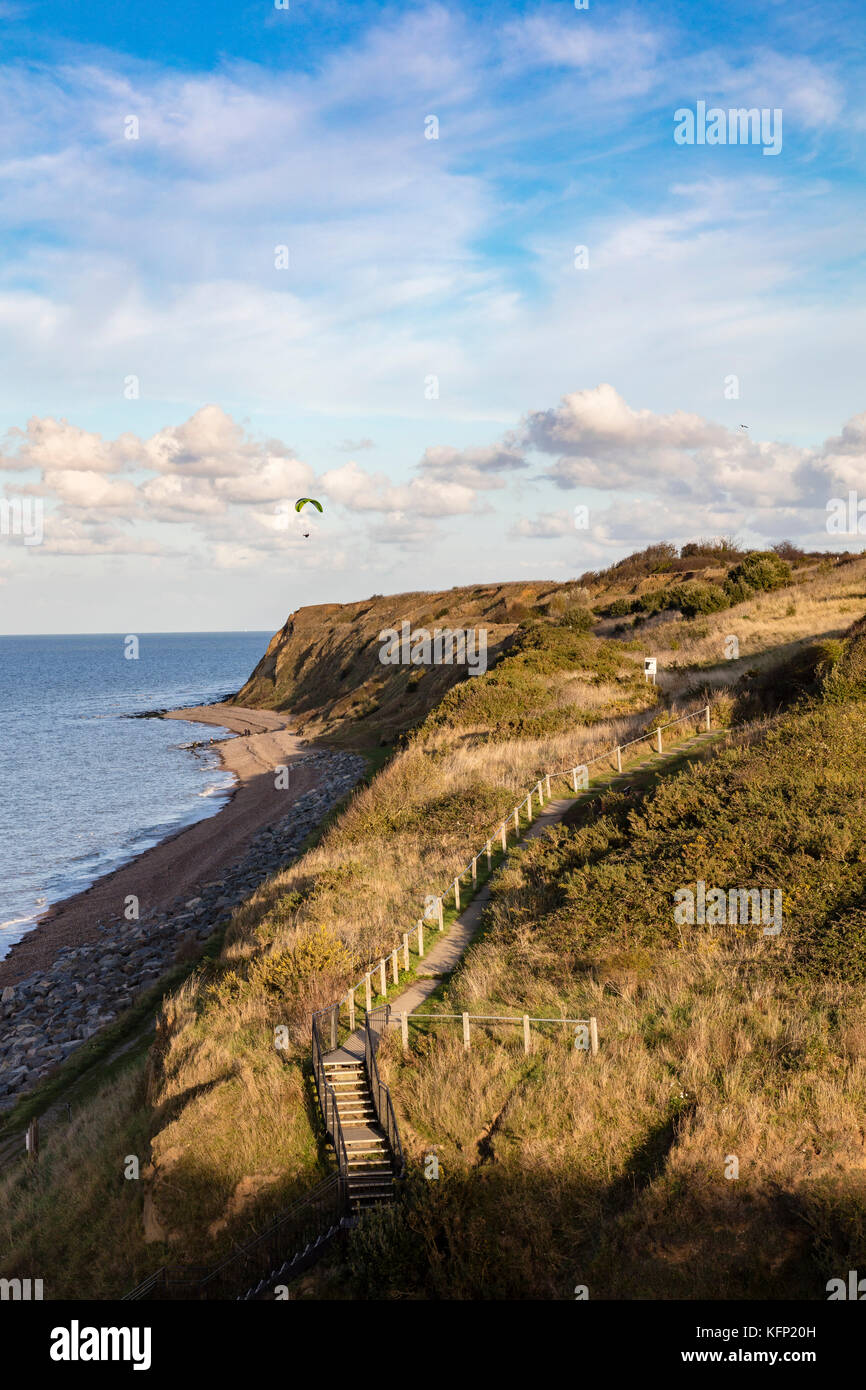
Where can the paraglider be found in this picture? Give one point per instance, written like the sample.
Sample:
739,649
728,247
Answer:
301,503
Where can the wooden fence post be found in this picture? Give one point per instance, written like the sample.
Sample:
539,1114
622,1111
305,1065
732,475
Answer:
708,716
504,841
351,998
489,853
659,739
517,822
475,870
383,978
593,1036
395,965
529,807
405,950
466,1032
368,993
526,1034
547,780
457,893
618,758
441,915
420,938
404,1030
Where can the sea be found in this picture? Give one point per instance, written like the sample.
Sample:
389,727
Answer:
84,786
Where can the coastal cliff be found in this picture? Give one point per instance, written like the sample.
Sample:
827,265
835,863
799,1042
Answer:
324,666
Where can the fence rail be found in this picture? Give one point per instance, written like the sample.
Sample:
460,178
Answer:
382,1103
278,1252
588,1042
328,1100
390,960
294,1239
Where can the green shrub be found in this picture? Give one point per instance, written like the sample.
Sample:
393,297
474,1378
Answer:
577,619
620,608
760,570
285,972
695,597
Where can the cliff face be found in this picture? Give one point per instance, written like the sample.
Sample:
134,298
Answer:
323,666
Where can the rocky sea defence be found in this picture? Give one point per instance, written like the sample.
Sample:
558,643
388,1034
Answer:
45,1017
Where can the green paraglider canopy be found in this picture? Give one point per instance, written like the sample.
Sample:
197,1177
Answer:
303,500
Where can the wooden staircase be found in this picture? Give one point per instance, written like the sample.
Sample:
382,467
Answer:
371,1162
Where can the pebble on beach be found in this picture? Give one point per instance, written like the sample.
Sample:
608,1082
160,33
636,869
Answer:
46,1016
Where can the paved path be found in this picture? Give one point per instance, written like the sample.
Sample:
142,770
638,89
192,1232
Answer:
444,956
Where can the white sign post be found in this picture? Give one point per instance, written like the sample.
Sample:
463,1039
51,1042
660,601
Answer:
649,669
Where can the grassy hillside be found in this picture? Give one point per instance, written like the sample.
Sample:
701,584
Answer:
716,1042
324,666
226,1127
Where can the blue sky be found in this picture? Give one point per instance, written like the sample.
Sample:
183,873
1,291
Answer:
166,389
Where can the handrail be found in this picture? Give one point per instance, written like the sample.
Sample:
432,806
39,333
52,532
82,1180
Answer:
501,1018
328,1104
382,1103
204,1281
502,828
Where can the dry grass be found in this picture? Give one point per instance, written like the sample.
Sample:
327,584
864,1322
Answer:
611,1171
820,607
549,1147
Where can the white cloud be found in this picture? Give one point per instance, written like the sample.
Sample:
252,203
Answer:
351,486
55,444
479,467
66,535
85,488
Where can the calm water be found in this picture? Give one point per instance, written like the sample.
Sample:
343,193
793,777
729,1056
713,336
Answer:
82,788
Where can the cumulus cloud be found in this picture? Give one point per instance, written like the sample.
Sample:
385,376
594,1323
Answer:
195,472
672,474
475,467
360,491
604,443
210,444
173,498
88,489
55,445
599,420
272,479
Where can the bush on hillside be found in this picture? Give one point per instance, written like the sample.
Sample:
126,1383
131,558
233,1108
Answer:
693,598
759,571
620,608
577,619
286,972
